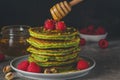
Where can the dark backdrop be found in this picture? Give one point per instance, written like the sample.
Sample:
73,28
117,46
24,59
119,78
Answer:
35,12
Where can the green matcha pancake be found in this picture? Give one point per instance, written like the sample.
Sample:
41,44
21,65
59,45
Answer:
39,32
44,58
52,63
53,52
45,44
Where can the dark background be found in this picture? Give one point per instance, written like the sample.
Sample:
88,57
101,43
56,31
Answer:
34,12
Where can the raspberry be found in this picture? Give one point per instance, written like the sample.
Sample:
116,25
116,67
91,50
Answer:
49,24
100,30
82,64
23,65
91,32
33,67
91,27
97,32
61,26
2,57
82,41
84,31
103,43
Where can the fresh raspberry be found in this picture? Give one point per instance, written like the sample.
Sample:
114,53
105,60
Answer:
91,32
49,24
100,30
33,67
84,30
23,65
82,41
91,28
82,64
2,57
61,26
97,32
103,43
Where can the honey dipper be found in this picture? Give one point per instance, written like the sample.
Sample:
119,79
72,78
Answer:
60,10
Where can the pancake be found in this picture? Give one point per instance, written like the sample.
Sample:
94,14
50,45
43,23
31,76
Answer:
52,52
44,58
52,63
40,33
46,44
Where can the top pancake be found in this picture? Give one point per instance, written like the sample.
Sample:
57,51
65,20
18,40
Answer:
40,33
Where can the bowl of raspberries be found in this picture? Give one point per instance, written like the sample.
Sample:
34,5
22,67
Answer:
92,33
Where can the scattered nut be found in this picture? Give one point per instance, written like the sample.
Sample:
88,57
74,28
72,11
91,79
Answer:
7,69
74,30
53,70
48,30
47,71
68,32
44,29
9,76
50,70
59,33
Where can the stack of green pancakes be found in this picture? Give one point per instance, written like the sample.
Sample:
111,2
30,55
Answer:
58,49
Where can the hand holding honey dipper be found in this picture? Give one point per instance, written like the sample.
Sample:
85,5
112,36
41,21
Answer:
60,10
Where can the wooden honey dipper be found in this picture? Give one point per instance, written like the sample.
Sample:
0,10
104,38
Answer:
60,10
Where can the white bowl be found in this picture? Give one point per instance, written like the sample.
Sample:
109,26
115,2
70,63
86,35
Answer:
94,38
